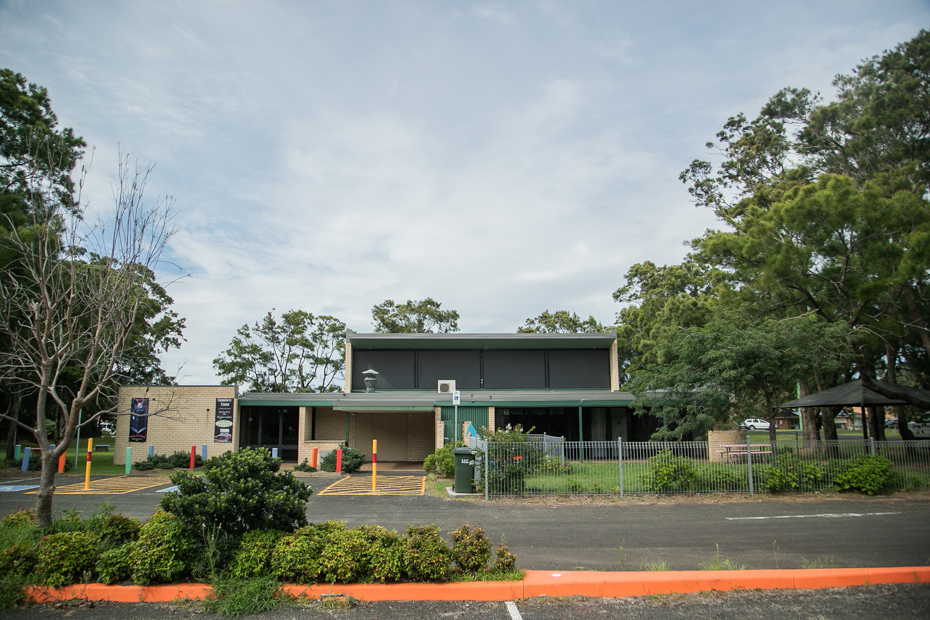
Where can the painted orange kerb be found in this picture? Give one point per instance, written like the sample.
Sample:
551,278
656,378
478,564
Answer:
536,583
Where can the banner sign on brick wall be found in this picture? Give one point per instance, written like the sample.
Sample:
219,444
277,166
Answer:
139,419
222,427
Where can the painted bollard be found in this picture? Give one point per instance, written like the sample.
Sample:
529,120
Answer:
339,461
193,456
151,451
314,456
26,454
128,460
90,450
374,465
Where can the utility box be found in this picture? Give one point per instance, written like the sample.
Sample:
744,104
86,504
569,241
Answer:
464,470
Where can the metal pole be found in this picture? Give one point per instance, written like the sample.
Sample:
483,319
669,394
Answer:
487,466
580,434
620,459
749,463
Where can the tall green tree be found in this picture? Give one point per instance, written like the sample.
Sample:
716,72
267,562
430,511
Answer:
731,368
659,301
300,352
824,209
561,322
413,317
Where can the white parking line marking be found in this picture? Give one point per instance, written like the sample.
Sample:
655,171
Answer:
826,515
514,612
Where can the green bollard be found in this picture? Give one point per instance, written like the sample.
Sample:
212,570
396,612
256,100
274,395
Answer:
18,452
128,460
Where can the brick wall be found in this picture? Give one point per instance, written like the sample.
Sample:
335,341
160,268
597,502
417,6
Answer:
420,436
439,433
179,417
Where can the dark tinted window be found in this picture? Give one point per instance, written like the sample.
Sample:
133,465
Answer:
514,369
395,369
579,369
463,366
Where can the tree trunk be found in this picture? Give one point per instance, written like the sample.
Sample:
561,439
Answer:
46,489
829,422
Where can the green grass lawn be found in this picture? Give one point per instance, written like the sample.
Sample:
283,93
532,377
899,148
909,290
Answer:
101,462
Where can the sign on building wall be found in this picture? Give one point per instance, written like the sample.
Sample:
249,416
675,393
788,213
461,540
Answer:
139,419
222,427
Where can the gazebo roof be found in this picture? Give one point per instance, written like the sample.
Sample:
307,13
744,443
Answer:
849,395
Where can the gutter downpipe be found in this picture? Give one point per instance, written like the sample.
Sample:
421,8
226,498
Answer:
580,432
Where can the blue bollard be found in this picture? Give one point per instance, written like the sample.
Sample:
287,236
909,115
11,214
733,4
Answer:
26,453
274,453
203,451
151,450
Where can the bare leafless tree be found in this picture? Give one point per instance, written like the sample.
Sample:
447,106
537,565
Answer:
70,298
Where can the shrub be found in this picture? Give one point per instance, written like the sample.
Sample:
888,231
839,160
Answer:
19,560
471,548
164,551
790,473
305,467
295,558
239,492
115,564
344,556
865,474
385,553
352,460
254,555
669,473
442,461
12,592
514,455
504,560
113,529
16,518
427,556
177,460
66,557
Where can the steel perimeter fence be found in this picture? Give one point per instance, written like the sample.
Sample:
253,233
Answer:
553,467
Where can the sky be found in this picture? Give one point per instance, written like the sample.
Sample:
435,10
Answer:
502,158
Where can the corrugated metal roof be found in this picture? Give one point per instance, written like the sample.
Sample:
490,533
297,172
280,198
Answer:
459,341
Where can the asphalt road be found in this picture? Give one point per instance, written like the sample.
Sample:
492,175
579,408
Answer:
761,532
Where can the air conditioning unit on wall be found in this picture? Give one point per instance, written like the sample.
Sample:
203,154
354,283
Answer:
446,386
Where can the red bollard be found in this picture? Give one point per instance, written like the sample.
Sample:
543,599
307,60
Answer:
339,461
193,454
314,455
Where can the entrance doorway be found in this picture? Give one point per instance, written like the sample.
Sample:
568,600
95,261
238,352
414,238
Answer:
271,427
390,429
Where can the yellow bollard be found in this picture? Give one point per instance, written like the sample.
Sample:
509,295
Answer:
90,448
374,465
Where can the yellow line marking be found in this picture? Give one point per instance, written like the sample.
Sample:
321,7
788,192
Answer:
118,485
387,485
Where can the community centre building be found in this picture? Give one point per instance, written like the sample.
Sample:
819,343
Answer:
400,389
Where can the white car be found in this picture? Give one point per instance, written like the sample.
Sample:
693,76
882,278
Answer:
921,427
755,424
